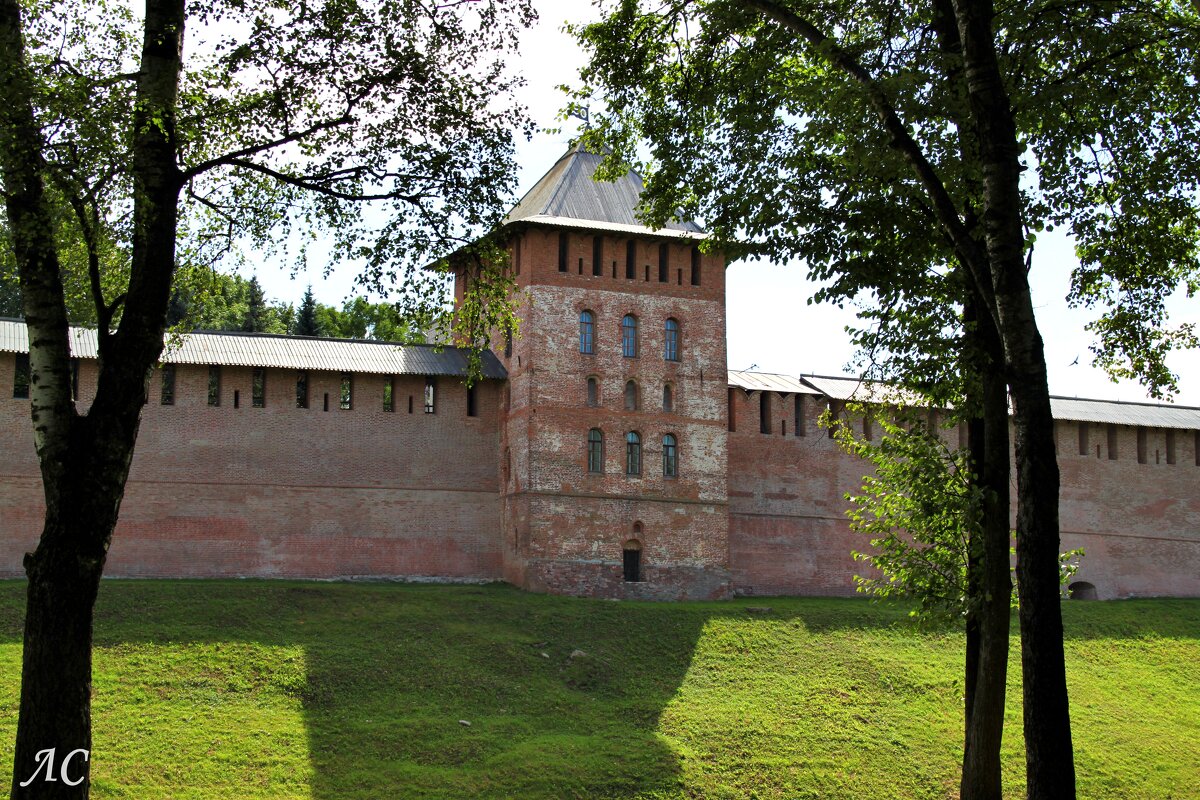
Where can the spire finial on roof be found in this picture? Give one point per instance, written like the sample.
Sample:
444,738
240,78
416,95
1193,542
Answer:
583,114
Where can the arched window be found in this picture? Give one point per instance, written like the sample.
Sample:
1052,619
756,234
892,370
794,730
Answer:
668,398
595,451
587,332
631,396
671,341
633,454
629,336
670,457
593,392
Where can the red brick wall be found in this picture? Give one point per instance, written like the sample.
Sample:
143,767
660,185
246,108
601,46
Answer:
565,528
281,491
1139,524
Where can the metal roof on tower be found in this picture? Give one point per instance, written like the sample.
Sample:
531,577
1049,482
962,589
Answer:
570,196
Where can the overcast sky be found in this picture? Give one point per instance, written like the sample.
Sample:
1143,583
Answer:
770,328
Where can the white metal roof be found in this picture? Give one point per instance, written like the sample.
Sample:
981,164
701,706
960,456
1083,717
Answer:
1151,415
284,352
768,382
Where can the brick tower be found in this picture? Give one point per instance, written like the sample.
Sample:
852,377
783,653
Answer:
613,431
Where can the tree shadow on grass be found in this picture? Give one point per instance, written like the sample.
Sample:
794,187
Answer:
406,691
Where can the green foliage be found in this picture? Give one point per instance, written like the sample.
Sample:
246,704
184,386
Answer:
920,508
752,129
383,130
273,689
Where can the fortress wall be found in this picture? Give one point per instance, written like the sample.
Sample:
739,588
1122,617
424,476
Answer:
1139,523
286,492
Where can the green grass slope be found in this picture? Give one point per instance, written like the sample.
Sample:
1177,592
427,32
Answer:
307,690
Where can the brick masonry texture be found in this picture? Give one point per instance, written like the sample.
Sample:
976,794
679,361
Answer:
507,495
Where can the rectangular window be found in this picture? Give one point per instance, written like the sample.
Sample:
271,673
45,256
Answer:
695,266
1170,434
564,244
21,376
301,390
1083,439
1141,445
429,397
214,385
346,396
1112,443
598,255
389,390
236,398
664,262
167,395
799,427
472,411
410,404
258,388
631,259
764,412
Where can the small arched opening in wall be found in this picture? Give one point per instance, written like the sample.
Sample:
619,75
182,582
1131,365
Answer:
1082,590
631,553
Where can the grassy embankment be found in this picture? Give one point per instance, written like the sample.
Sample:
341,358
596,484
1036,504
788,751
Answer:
282,690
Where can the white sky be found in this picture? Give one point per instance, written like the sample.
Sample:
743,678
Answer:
770,328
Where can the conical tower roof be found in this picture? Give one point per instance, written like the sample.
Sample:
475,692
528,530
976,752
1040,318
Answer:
568,195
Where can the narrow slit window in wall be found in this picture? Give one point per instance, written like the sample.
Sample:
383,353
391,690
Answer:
597,255
346,395
258,388
798,429
695,266
325,401
564,244
302,390
631,259
410,404
1170,436
389,393
631,396
167,393
581,265
614,270
429,395
593,392
1113,453
668,399
764,412
237,398
664,262
214,385
21,377
1141,445
472,410
1084,449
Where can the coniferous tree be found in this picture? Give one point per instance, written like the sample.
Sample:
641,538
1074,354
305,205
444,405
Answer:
306,317
256,308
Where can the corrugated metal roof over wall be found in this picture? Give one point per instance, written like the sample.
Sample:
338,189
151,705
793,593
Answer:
1150,415
284,352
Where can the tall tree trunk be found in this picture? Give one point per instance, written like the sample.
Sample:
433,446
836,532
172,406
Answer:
1050,768
84,460
987,666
